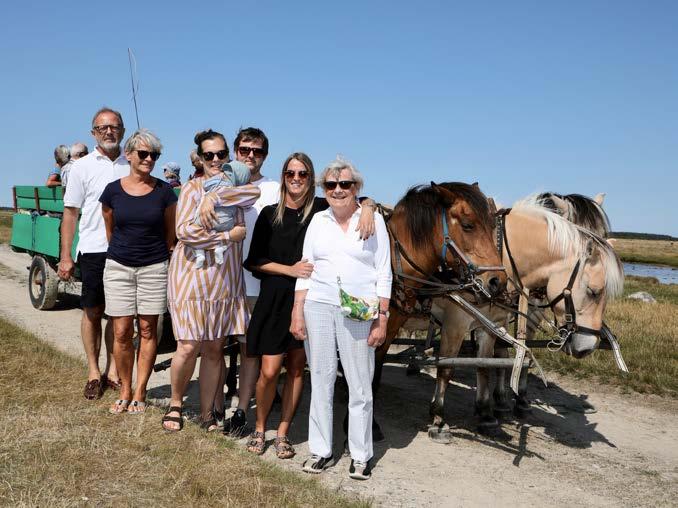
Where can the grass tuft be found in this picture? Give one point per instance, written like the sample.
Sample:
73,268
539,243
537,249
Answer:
57,449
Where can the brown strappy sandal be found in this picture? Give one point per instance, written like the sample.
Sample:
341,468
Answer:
283,448
175,419
256,443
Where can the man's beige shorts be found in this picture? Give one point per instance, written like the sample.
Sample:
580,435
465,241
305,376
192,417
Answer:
135,290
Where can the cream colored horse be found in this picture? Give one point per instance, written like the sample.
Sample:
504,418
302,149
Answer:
546,249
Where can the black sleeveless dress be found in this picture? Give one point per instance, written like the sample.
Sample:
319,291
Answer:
268,332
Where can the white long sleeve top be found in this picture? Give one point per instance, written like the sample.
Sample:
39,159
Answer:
363,265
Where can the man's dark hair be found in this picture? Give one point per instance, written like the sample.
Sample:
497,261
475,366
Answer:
251,134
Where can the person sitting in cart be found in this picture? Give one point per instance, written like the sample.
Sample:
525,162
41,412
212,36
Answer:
62,155
87,180
78,151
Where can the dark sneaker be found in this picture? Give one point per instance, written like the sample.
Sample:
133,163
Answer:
360,470
235,425
315,464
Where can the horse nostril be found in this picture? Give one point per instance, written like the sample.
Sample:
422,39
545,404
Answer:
494,286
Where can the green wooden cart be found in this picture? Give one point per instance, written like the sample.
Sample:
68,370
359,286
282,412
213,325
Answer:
36,227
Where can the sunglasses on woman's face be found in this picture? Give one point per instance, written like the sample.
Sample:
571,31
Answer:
301,175
145,153
330,185
221,155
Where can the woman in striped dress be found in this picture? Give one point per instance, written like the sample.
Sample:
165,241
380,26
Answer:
207,303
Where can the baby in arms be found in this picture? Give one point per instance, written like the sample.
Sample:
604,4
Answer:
233,174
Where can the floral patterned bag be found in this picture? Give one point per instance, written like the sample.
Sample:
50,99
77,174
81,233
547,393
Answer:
358,309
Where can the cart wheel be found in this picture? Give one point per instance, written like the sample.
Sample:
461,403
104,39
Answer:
43,284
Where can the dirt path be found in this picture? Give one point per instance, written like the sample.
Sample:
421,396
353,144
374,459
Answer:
624,454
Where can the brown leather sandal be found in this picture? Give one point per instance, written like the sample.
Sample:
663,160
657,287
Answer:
93,389
283,448
176,419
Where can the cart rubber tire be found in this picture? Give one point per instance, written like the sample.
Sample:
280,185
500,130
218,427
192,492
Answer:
43,284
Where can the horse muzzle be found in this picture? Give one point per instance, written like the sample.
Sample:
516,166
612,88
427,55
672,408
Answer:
581,344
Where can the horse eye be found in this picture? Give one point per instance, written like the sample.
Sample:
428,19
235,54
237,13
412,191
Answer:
466,226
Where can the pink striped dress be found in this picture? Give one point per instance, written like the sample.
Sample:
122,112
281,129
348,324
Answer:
207,303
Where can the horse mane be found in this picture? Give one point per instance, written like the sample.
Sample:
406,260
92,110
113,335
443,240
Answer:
422,206
566,237
584,211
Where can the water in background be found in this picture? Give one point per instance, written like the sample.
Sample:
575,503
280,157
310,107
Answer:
665,275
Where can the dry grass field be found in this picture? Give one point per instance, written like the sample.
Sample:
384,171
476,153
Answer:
5,225
57,449
648,335
655,252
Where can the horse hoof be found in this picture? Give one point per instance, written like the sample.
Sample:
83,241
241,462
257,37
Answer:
377,433
502,412
440,435
523,409
488,426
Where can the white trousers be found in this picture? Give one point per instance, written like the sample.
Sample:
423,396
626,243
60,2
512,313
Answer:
328,331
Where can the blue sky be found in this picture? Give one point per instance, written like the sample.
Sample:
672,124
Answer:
524,96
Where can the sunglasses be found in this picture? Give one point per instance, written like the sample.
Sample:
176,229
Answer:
145,153
101,129
344,184
80,154
244,151
301,175
221,155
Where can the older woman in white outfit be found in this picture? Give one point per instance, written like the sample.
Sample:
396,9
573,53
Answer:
362,269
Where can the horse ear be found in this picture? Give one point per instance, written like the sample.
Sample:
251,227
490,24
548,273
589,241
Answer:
592,252
475,184
492,205
561,205
600,197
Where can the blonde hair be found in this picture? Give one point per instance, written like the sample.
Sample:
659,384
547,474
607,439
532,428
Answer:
307,205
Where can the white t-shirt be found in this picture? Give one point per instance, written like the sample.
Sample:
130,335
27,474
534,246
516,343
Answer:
363,265
87,179
270,193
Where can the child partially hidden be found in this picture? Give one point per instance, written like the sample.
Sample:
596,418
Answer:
234,174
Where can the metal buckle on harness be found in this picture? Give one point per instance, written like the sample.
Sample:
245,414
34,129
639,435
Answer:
569,318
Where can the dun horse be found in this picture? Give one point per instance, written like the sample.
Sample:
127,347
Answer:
548,252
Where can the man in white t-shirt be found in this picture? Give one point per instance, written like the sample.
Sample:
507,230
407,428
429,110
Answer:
251,148
87,179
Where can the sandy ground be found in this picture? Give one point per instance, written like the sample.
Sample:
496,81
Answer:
625,454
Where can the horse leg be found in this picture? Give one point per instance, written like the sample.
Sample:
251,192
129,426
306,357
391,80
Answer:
487,422
523,407
454,327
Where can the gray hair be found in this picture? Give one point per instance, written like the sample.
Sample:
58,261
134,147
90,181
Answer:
107,110
335,167
78,147
62,155
143,136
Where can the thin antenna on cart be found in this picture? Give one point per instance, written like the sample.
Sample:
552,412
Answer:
135,86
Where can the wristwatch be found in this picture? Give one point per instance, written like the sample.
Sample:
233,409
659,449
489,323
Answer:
385,313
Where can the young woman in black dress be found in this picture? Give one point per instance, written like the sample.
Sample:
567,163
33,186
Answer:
275,259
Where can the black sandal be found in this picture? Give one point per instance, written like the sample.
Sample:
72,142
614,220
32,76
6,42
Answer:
175,419
209,425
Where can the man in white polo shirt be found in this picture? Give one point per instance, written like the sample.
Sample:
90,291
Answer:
87,179
251,148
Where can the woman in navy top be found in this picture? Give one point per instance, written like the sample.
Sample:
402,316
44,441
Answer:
139,213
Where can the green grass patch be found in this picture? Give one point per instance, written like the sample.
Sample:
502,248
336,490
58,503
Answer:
58,449
648,335
654,252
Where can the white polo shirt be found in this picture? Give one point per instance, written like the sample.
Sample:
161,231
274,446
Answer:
270,193
87,179
363,265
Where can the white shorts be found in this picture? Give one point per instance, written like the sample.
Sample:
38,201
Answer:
133,290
